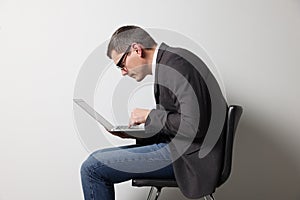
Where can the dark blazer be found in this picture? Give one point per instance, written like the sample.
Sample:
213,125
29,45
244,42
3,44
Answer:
182,118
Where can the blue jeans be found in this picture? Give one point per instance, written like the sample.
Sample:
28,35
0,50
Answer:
104,168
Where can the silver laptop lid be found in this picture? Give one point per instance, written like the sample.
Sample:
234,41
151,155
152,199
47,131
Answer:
107,125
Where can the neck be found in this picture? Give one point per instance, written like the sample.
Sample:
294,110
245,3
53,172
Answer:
150,55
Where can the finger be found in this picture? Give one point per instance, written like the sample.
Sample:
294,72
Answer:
131,123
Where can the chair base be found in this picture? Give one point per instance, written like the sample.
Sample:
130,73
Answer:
158,192
210,197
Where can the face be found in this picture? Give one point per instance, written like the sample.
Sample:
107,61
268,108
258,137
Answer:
132,63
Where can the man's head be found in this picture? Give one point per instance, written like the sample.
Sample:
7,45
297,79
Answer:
131,48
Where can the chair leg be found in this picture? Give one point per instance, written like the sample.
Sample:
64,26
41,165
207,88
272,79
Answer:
210,197
158,193
150,193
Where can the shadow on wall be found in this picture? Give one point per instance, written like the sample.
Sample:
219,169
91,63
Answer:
262,168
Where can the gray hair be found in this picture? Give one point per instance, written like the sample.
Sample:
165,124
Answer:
125,36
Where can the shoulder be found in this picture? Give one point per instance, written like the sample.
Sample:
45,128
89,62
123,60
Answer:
181,60
172,57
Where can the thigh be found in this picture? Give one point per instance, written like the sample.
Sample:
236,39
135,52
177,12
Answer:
123,163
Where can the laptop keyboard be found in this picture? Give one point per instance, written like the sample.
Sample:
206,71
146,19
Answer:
126,127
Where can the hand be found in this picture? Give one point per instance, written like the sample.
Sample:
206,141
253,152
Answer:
138,116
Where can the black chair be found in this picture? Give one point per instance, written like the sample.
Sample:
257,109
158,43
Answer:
233,116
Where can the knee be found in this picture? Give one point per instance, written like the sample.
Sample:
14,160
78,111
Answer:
87,167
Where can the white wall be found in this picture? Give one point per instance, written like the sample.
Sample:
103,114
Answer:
43,45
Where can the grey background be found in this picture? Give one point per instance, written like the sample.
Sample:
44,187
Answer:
255,45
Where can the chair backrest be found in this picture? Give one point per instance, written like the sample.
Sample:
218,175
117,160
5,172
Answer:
233,116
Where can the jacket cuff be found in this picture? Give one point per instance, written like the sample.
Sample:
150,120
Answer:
155,121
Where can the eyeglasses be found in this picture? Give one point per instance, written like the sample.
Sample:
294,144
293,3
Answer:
121,62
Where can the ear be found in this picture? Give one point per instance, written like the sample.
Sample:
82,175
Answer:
138,49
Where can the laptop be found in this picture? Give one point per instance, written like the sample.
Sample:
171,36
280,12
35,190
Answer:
106,124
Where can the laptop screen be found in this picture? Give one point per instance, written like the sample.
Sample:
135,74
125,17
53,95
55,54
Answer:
93,113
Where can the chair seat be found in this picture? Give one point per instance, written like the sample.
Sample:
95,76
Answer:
154,182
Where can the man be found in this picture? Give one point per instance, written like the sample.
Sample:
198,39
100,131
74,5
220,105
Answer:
174,131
